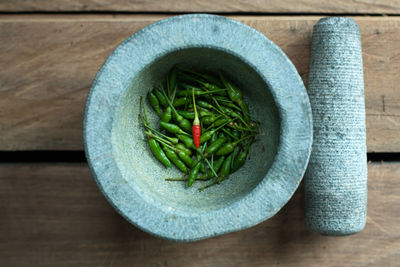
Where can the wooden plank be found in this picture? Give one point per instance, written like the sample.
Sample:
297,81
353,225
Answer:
54,215
283,6
49,62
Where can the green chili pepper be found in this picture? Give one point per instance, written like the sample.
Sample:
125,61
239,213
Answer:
225,169
206,136
172,128
194,172
186,114
183,123
154,102
231,105
204,104
185,158
215,145
158,152
183,148
210,119
202,167
175,159
219,122
240,158
229,112
180,101
187,140
226,149
204,113
214,137
234,155
161,97
174,140
236,134
189,86
190,107
235,94
190,114
167,115
197,92
218,163
188,92
229,147
154,145
210,86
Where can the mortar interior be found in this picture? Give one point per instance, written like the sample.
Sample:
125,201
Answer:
145,174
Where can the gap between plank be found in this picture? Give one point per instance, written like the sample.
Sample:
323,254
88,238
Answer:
173,13
79,156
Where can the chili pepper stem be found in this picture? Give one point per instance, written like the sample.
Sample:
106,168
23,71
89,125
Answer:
208,185
206,160
171,105
219,127
176,179
146,120
221,112
159,139
237,127
244,138
228,133
168,88
211,167
152,135
203,156
157,132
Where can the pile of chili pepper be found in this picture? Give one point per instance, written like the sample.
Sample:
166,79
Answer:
205,127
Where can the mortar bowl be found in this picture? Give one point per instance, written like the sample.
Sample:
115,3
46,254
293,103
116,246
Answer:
133,181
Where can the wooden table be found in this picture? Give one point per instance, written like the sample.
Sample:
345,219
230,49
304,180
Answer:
51,211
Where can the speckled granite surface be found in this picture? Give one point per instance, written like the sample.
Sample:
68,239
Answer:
336,179
133,181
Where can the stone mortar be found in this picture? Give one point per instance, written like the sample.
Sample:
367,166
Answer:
133,181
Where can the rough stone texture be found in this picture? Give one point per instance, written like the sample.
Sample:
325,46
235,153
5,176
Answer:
336,179
133,181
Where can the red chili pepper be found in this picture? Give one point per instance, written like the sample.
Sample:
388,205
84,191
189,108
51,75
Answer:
196,128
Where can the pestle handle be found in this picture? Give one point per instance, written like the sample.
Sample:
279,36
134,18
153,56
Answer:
336,179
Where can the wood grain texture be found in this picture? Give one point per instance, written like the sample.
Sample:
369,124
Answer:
54,215
48,64
268,6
